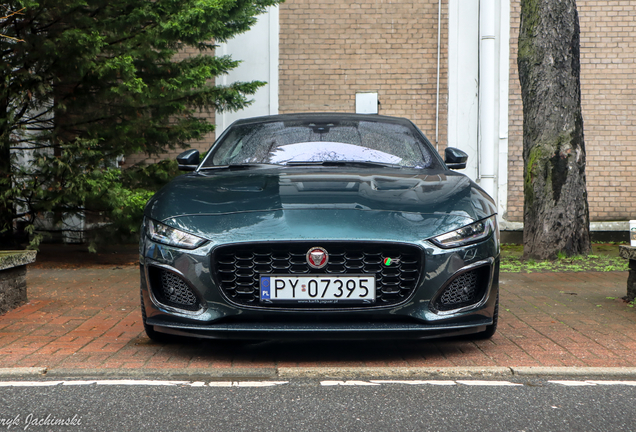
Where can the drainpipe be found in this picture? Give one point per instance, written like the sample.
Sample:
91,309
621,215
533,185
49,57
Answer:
439,42
487,73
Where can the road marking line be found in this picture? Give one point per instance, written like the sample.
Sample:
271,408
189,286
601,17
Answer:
246,383
142,383
260,383
348,383
488,383
627,383
592,383
416,382
322,383
221,384
30,383
419,382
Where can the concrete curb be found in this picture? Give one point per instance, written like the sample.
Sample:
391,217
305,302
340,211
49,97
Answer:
575,371
238,374
26,372
455,372
389,372
172,374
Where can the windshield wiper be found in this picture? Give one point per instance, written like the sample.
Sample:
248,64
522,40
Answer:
364,164
237,166
343,163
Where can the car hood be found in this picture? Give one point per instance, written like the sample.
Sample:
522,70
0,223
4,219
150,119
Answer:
213,202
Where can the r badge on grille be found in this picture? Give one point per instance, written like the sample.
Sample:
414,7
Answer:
317,257
391,261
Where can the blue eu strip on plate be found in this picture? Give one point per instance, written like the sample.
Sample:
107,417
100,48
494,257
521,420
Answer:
265,288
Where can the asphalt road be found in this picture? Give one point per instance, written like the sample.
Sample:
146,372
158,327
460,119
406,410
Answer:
320,405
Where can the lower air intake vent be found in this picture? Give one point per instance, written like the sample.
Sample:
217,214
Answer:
465,290
170,289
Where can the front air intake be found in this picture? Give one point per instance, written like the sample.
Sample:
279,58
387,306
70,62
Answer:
171,289
466,289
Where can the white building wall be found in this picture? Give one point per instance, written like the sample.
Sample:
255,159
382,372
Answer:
472,69
463,80
257,49
503,81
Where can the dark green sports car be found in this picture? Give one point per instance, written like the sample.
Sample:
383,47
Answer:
320,226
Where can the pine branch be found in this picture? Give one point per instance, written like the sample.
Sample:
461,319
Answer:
4,18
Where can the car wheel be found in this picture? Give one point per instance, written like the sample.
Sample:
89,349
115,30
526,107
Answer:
491,329
150,332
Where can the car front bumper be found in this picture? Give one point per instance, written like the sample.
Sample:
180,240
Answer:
215,316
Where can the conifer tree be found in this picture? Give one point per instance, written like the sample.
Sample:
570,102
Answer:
83,82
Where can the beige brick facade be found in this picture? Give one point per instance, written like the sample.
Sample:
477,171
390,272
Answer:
515,125
608,91
332,49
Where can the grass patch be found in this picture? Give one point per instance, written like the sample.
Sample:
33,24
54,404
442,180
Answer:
603,257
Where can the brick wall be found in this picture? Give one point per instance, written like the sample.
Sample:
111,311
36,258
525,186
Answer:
608,87
515,125
331,49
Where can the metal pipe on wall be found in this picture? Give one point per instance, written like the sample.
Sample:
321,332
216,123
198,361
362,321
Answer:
487,74
439,43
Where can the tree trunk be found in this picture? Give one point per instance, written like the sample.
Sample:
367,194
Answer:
556,214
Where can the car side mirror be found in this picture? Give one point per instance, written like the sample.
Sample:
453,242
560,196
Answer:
455,158
188,160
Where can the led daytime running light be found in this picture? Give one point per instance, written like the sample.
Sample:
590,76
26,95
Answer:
469,234
171,236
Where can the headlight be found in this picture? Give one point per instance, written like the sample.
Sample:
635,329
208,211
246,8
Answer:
472,233
164,234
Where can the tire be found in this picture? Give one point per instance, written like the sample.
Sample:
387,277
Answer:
491,329
150,331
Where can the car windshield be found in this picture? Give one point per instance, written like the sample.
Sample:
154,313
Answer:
297,142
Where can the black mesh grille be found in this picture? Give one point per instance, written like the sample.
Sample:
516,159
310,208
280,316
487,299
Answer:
465,290
238,267
170,289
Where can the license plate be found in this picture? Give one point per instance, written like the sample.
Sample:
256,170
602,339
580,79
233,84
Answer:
321,289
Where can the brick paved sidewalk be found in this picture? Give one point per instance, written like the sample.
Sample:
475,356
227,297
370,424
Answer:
90,318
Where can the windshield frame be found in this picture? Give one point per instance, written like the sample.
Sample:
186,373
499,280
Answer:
420,140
